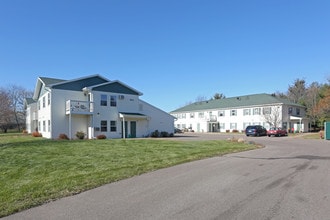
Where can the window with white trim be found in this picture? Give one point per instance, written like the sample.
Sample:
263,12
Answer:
221,113
104,126
113,101
113,126
233,112
247,111
256,111
104,100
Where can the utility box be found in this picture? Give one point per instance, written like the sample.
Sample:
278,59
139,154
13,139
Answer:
327,130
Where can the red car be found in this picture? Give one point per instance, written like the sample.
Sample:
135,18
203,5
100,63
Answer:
277,132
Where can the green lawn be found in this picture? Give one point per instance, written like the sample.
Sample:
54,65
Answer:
35,170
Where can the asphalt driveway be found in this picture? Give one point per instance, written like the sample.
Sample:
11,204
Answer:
288,179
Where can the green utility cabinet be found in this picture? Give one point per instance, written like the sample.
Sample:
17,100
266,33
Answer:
327,130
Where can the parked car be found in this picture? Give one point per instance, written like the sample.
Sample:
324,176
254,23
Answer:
255,130
277,132
177,130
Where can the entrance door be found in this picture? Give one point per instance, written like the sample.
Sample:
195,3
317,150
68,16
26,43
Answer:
133,129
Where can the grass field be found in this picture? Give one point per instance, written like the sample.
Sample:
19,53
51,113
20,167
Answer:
35,170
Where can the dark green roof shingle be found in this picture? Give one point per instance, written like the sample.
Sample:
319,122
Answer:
234,102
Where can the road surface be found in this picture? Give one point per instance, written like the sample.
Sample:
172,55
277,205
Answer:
288,179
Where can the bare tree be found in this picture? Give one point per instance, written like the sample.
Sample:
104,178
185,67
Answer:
17,95
201,98
272,115
5,111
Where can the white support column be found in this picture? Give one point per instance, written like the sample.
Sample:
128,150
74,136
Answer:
124,132
70,126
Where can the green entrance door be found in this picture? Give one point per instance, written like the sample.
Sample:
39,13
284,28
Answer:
133,129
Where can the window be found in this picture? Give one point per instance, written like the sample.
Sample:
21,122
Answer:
233,112
48,125
44,126
298,111
221,113
247,111
222,125
44,102
183,115
39,126
113,101
104,100
256,111
267,110
39,106
201,115
104,126
113,126
48,97
233,126
192,115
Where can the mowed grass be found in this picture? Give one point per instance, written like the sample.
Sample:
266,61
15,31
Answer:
35,170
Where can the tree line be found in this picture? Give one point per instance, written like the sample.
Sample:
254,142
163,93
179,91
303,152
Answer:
12,110
315,97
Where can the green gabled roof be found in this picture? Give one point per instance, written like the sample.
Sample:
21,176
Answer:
29,101
79,84
116,87
234,102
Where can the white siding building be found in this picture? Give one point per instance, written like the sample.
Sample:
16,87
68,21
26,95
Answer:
93,105
236,113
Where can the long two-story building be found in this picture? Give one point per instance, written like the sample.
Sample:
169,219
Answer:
93,105
236,113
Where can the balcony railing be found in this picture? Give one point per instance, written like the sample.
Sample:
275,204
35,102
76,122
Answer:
212,118
79,107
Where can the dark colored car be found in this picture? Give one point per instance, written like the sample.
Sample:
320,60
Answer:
277,132
255,130
177,130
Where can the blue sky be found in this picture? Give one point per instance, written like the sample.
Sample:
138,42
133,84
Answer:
173,51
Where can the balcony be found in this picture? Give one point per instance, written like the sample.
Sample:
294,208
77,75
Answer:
79,107
212,118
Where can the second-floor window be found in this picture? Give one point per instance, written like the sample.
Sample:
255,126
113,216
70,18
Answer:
221,113
256,111
247,111
192,115
267,110
113,101
44,102
104,100
298,111
48,97
233,112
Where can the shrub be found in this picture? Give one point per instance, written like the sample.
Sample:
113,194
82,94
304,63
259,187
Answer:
36,134
235,131
101,136
63,137
227,131
24,131
164,134
80,135
155,133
